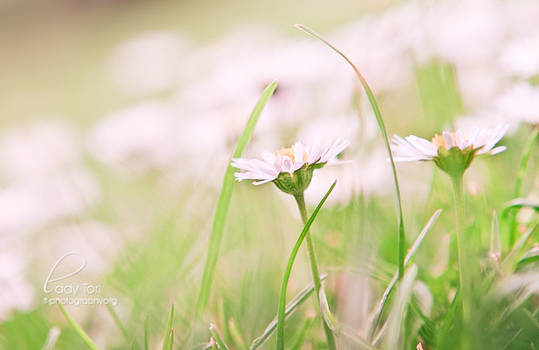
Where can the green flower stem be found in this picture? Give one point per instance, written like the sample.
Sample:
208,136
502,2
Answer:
300,200
461,244
285,310
520,179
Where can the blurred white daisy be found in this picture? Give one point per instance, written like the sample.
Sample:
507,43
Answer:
485,118
137,139
148,64
37,149
479,84
521,57
368,175
29,205
291,168
464,32
390,39
225,90
334,126
98,243
480,140
17,293
520,102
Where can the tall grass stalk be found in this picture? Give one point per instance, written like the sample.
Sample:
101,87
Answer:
217,337
82,334
352,337
51,339
383,301
146,337
381,125
510,260
236,335
223,203
120,325
300,339
495,240
520,179
291,307
395,329
166,339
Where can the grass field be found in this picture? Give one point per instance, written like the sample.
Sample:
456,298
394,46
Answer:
123,225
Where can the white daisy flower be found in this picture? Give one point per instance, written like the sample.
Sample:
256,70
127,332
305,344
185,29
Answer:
481,140
290,168
453,152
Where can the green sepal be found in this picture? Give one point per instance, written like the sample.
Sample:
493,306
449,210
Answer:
297,182
454,161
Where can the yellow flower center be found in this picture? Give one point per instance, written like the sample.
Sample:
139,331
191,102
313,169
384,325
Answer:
289,152
439,140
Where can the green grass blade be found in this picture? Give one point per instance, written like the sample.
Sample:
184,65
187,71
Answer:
52,337
82,334
166,341
170,341
382,127
300,339
207,346
524,161
223,203
381,304
520,179
359,343
217,337
495,240
421,236
223,316
519,203
236,335
120,325
291,307
146,338
511,259
530,257
327,316
439,93
288,270
395,320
